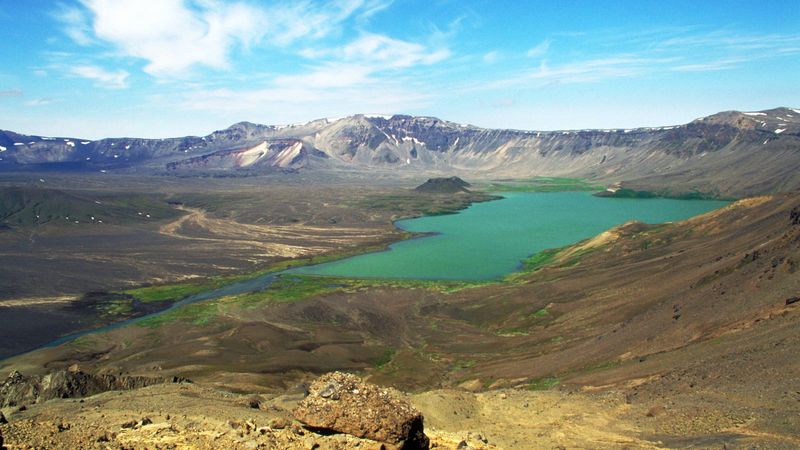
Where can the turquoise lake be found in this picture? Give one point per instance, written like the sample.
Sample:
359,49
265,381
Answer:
489,240
485,241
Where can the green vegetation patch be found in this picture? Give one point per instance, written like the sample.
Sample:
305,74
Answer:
540,313
540,259
543,384
178,291
462,364
632,193
514,331
384,359
544,184
290,288
200,313
172,292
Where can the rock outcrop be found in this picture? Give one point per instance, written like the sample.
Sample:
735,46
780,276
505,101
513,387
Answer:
443,186
343,403
19,389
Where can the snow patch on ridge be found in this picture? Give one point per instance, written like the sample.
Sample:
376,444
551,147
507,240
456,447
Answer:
413,139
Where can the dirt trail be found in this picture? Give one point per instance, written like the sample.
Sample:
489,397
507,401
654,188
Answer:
36,301
275,240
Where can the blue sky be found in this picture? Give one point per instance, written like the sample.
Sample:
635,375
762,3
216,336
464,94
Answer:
158,68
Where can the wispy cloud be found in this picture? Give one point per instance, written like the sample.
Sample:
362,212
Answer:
539,50
293,21
587,71
109,79
371,73
293,103
75,24
491,57
644,54
39,101
11,93
710,66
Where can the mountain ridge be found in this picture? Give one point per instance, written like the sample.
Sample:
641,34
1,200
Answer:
710,152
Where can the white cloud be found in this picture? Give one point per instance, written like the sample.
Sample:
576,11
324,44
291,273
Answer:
173,36
105,78
539,50
491,57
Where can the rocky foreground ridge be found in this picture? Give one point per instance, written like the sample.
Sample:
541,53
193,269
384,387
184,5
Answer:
19,390
338,411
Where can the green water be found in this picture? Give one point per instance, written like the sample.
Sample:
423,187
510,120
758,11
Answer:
489,240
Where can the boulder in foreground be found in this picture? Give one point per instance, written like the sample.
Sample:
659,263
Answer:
343,403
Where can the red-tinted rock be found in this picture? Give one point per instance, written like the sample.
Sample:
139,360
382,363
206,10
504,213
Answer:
343,403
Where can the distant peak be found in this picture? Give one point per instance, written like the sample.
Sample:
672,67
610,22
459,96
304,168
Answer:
245,125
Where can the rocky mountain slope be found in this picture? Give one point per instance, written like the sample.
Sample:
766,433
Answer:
730,153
